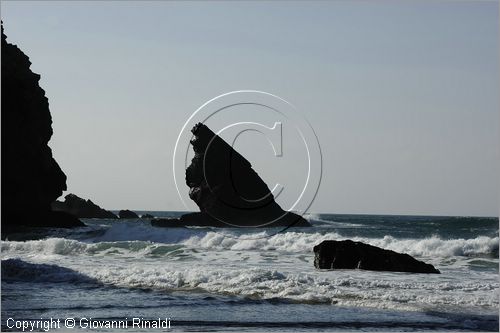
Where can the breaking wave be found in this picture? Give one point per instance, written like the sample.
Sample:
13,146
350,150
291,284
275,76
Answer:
143,239
267,284
258,264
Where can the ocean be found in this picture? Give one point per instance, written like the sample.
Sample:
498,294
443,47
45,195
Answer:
248,279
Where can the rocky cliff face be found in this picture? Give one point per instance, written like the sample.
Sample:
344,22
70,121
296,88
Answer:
31,178
227,189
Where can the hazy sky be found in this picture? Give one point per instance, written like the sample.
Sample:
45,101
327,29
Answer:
403,96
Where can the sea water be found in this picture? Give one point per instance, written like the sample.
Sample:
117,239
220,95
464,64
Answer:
248,279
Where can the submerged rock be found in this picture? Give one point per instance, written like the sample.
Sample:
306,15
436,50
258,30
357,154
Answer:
127,214
31,177
347,254
82,208
147,216
227,190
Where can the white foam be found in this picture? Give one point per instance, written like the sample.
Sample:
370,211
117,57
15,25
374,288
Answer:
264,267
134,237
315,219
67,247
125,231
435,246
304,242
48,246
362,288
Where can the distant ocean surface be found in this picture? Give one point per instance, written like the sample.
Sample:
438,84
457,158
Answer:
237,279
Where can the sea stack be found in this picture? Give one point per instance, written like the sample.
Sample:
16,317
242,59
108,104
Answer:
227,190
31,177
347,254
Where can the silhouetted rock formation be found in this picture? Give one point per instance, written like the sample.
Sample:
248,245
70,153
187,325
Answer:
347,254
82,208
227,190
127,214
31,178
147,216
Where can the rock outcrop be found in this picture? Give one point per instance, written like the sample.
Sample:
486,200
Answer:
227,190
31,178
347,254
127,214
82,208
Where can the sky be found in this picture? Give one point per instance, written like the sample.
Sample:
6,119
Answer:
403,96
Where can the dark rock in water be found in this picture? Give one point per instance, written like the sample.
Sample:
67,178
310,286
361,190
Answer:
201,219
82,208
31,178
147,216
227,190
127,214
167,223
347,254
205,220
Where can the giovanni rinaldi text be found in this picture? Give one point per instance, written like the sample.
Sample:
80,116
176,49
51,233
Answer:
86,323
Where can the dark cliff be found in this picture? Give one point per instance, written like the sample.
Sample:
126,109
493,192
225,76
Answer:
31,178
